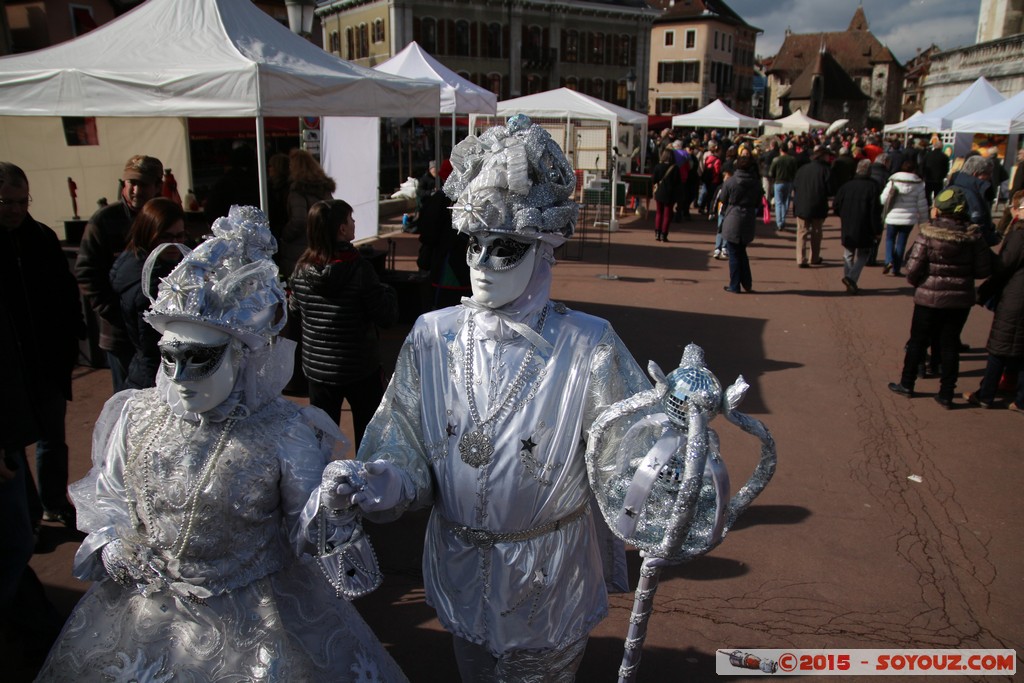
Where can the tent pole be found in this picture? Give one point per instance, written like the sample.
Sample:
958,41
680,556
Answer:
261,163
437,149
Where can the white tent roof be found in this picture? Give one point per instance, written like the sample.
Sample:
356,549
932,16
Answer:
715,115
566,103
213,58
1007,118
797,121
976,97
457,94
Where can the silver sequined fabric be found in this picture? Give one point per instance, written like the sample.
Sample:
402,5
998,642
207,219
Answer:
513,179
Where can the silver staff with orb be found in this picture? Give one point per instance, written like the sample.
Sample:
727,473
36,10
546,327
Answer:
657,472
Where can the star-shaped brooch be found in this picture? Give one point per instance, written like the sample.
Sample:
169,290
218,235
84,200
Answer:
450,430
528,445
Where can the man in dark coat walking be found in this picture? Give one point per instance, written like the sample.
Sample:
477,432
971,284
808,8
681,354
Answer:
856,203
811,188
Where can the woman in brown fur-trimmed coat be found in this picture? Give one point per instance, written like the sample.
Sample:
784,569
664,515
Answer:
947,257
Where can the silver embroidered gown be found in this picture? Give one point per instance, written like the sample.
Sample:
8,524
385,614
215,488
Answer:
545,592
223,513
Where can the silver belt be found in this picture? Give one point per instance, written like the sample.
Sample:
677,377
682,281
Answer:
483,538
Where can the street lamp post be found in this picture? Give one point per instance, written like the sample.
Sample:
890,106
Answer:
300,16
630,88
300,21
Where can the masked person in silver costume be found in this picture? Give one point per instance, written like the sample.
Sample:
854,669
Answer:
486,419
202,507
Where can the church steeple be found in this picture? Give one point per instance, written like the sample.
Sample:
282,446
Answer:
859,21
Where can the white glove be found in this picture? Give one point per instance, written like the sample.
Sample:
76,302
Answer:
385,487
120,563
341,479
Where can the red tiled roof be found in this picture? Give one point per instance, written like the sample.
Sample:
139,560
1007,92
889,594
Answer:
836,83
856,50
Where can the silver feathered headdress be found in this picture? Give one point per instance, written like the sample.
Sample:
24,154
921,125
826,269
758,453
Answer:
228,282
513,179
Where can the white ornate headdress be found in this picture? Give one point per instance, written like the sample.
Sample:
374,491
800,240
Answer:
513,179
228,282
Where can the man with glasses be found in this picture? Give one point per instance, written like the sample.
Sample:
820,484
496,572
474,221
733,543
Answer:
104,239
42,316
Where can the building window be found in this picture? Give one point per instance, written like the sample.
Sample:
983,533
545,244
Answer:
669,106
533,43
429,31
335,42
494,41
716,40
350,44
363,42
691,38
378,30
571,83
462,38
625,51
596,55
679,72
670,38
496,85
570,45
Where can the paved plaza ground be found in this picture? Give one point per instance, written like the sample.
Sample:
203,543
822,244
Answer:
843,549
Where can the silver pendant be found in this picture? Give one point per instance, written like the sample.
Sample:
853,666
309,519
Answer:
476,448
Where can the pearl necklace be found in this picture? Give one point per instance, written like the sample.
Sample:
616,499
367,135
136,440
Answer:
476,447
192,494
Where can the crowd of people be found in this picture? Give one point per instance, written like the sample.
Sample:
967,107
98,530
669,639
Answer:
881,188
186,371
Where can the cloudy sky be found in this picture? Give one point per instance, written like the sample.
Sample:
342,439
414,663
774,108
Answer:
901,25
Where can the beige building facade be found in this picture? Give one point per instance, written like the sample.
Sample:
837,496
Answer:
698,59
511,47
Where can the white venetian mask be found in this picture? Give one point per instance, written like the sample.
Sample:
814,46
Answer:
199,363
500,268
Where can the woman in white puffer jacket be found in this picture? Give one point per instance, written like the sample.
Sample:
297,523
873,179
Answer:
908,208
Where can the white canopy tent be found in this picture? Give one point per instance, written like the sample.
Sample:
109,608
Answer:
798,121
715,115
1006,118
569,105
978,96
209,58
457,94
345,139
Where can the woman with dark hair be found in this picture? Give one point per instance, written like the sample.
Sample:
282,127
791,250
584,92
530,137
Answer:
665,180
340,301
161,221
741,201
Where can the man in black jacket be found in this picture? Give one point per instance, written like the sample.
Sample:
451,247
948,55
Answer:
811,188
40,300
934,169
104,239
856,203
